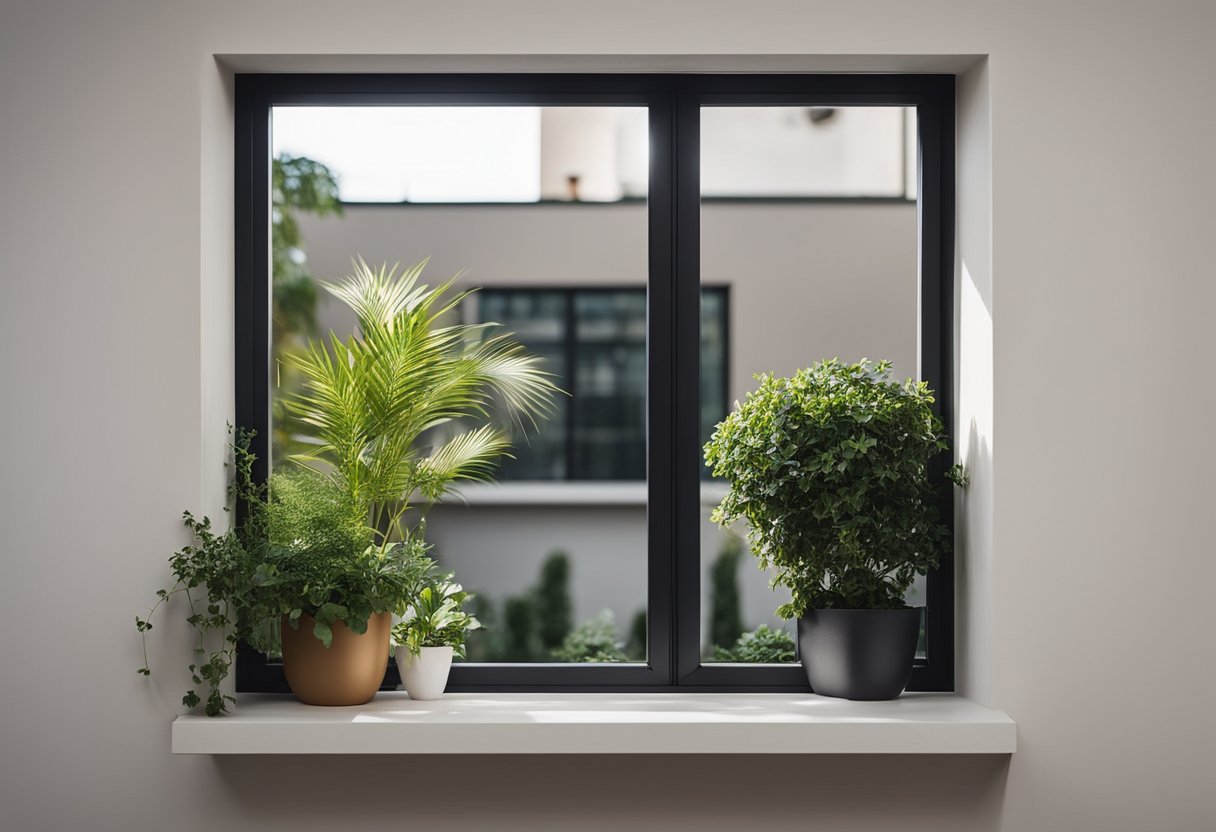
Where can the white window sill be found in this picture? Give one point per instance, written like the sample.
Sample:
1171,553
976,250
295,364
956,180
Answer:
564,493
599,723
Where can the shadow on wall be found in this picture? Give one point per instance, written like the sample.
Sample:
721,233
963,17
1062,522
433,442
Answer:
524,792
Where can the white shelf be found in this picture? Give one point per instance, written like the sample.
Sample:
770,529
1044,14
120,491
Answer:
597,723
544,493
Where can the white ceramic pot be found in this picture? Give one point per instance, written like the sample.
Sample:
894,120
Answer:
425,675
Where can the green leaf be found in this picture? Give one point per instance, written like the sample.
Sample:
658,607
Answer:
332,612
323,632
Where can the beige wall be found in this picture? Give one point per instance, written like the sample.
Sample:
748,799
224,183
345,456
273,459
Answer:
1093,585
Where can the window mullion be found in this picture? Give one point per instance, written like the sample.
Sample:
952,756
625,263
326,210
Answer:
687,393
571,326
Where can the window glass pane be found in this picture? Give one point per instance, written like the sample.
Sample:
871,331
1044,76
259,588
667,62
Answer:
803,151
419,154
609,426
538,319
714,367
807,280
546,210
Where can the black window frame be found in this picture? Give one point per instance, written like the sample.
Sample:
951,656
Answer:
673,331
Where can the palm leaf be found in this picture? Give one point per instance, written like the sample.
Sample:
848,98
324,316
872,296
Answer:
369,400
467,456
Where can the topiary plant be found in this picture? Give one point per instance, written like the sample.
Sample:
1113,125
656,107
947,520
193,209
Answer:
725,618
830,470
520,642
554,609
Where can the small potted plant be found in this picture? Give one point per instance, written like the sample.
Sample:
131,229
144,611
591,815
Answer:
829,468
432,630
398,412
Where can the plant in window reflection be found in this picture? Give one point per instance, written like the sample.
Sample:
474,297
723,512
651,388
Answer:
830,470
436,618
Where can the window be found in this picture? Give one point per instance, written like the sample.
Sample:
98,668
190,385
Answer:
700,203
594,342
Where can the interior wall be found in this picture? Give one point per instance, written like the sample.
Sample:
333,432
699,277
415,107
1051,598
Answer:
113,236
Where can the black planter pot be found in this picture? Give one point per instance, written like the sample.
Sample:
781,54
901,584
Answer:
858,654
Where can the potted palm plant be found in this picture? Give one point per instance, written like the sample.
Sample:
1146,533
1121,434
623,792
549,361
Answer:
401,410
431,632
829,469
321,558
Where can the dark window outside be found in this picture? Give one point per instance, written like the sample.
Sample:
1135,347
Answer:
594,342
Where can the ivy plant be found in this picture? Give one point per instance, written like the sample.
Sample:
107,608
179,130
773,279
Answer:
296,547
829,469
215,574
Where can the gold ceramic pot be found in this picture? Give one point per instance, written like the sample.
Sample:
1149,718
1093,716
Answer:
348,672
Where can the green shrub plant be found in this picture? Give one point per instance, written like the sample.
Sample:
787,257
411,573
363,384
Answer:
830,471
